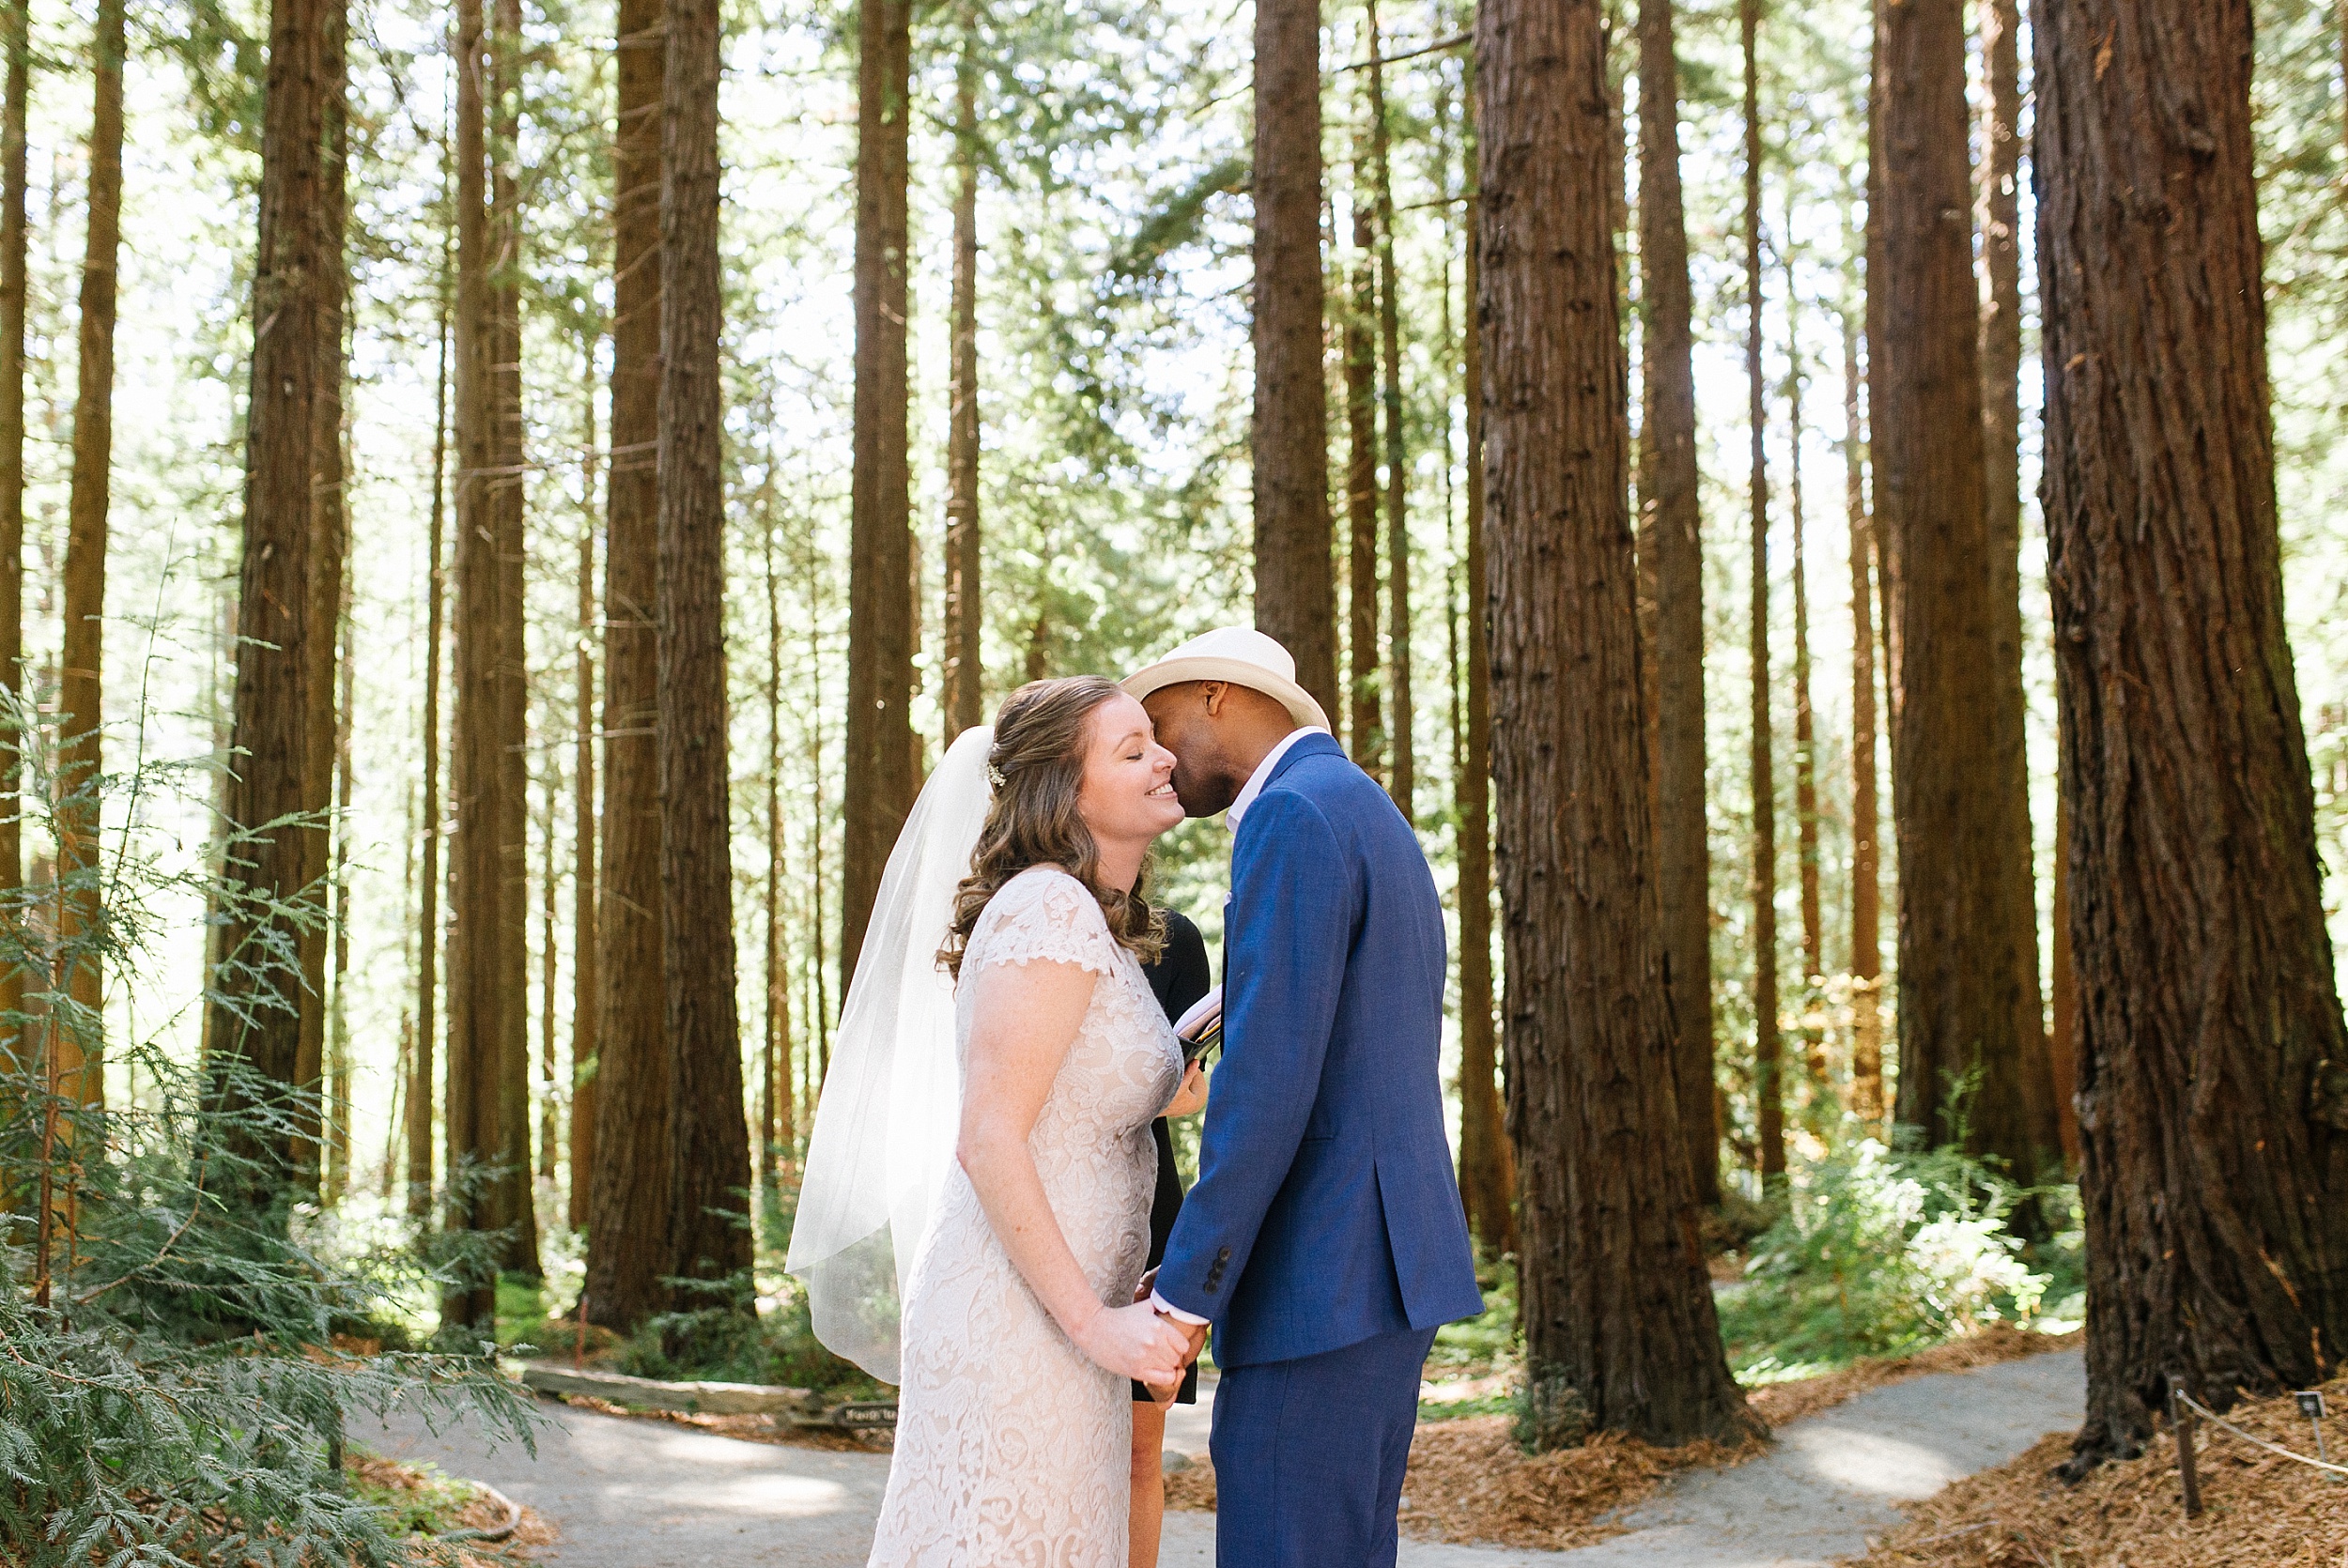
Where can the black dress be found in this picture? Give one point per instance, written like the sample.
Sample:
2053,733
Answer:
1179,977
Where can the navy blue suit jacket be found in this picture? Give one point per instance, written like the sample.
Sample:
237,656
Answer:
1326,1209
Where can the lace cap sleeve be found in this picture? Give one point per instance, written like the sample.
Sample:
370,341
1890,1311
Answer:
1043,915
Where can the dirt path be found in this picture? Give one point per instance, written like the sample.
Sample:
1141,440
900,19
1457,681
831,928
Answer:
634,1493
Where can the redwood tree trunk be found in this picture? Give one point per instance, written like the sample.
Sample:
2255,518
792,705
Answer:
879,748
1367,731
81,1058
1402,784
627,1235
1968,1012
329,535
586,982
1295,581
421,1072
1768,1053
1673,530
779,1134
2213,1101
1617,1311
1806,720
709,1142
517,1200
1866,892
1488,1177
272,616
966,614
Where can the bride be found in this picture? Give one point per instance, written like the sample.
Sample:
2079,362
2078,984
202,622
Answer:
1000,1013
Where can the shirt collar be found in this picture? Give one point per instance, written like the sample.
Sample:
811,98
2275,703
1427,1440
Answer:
1262,775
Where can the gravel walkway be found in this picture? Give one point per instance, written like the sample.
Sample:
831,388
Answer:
636,1494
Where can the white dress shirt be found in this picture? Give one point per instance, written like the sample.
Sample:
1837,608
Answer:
1247,793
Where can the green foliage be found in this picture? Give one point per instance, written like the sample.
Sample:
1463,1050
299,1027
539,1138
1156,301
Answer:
1882,1251
185,1340
722,1341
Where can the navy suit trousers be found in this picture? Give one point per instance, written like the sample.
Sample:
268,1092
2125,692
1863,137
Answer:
1310,1454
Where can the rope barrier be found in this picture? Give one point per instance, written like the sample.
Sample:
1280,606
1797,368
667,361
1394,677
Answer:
2208,1414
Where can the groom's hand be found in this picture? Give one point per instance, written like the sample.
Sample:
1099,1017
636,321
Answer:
1195,1332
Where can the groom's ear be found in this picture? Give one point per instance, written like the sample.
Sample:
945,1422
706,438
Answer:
1214,692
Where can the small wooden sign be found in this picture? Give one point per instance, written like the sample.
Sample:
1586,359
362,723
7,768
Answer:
867,1415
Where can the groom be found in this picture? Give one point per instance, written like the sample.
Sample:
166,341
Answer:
1324,1240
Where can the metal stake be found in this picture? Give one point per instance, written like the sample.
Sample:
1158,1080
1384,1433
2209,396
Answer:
2311,1405
2181,1422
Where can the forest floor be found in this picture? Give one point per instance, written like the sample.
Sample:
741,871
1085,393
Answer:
628,1493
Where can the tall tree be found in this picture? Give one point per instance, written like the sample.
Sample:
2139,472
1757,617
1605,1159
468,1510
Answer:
1488,1178
1295,581
880,747
329,546
16,41
338,1061
1617,1311
1998,220
1366,733
778,1134
81,1068
628,1226
1768,1075
254,1021
421,1072
1402,783
708,1138
1672,540
2214,1103
516,1202
586,982
965,609
1971,1057
1866,892
1806,719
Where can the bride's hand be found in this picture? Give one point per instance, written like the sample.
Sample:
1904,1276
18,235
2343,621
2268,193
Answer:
1191,1098
1133,1342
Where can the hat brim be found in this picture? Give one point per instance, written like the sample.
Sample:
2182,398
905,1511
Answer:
1238,673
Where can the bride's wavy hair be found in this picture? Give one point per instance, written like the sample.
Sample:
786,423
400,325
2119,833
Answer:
1036,763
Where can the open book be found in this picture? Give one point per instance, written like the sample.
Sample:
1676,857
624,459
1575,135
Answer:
1200,1027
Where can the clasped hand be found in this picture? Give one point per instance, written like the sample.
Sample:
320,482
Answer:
1134,1342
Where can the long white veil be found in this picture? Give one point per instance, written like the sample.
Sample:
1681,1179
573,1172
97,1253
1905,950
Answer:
885,1126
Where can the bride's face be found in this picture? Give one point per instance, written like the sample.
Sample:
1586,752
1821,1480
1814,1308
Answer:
1128,788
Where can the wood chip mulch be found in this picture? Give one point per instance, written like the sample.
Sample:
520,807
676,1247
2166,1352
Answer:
2256,1508
1468,1482
750,1429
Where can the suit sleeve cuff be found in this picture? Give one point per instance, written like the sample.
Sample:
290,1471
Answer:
1161,1305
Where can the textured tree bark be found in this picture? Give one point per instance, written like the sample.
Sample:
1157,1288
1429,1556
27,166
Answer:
516,1197
2062,1037
330,548
1806,720
15,41
629,1182
966,613
879,747
550,966
1402,783
1367,732
1488,1177
709,1140
1672,524
338,1012
1295,579
477,999
79,1045
421,1069
1768,1076
1972,1053
1997,217
272,615
2213,1098
1620,1332
1866,887
586,981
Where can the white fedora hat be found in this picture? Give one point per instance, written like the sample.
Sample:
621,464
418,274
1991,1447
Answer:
1240,654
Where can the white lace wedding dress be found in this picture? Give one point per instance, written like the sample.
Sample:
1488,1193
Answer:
1012,1447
